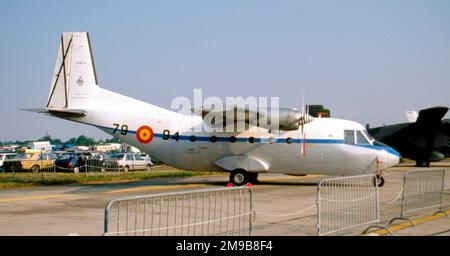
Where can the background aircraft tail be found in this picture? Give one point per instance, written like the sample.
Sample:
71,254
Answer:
74,81
412,116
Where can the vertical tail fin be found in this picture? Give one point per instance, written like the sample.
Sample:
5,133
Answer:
74,78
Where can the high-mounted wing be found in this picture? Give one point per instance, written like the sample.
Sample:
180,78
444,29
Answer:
284,118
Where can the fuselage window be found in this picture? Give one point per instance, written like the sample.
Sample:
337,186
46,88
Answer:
213,139
251,139
288,140
360,138
193,138
349,137
232,139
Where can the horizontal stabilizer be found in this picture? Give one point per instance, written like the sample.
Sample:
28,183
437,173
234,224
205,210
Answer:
58,112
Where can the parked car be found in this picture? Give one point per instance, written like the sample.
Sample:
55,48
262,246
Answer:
73,161
147,157
130,161
6,156
30,162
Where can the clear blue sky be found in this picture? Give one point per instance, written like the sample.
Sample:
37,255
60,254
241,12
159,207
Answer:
367,61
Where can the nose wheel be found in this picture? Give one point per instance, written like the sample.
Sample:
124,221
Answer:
378,181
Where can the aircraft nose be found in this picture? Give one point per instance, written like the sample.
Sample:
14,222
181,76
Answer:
393,157
390,156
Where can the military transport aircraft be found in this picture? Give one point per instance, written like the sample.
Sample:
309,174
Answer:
426,138
304,145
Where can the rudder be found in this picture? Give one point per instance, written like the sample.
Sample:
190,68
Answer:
74,78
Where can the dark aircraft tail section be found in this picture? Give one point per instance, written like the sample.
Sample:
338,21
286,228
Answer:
431,117
418,140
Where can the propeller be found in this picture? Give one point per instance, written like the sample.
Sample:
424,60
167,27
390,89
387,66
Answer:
303,119
304,116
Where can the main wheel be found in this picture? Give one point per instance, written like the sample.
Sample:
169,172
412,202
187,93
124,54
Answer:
239,177
148,168
76,170
126,168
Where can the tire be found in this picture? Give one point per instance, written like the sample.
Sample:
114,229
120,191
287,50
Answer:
126,168
239,177
253,177
148,168
76,170
379,180
35,168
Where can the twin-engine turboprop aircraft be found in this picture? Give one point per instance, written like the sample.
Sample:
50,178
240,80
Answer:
303,146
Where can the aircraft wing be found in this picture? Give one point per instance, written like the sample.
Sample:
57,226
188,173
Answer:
286,119
228,114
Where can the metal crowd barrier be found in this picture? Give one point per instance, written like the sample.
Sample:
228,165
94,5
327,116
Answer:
347,202
223,212
96,165
46,166
422,190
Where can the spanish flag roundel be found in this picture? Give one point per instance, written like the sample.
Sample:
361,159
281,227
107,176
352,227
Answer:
144,134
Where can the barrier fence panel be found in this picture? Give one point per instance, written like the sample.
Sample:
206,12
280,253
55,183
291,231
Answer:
96,165
347,202
446,192
224,212
27,169
422,189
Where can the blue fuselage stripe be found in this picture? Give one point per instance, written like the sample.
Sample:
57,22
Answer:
268,140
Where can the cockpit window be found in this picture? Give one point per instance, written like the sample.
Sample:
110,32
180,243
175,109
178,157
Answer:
360,138
371,139
349,137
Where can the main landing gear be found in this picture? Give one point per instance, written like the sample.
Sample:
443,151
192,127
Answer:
240,177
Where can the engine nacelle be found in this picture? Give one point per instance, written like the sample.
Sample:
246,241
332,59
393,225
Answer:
288,119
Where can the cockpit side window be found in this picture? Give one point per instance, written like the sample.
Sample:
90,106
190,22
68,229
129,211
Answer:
360,138
349,137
